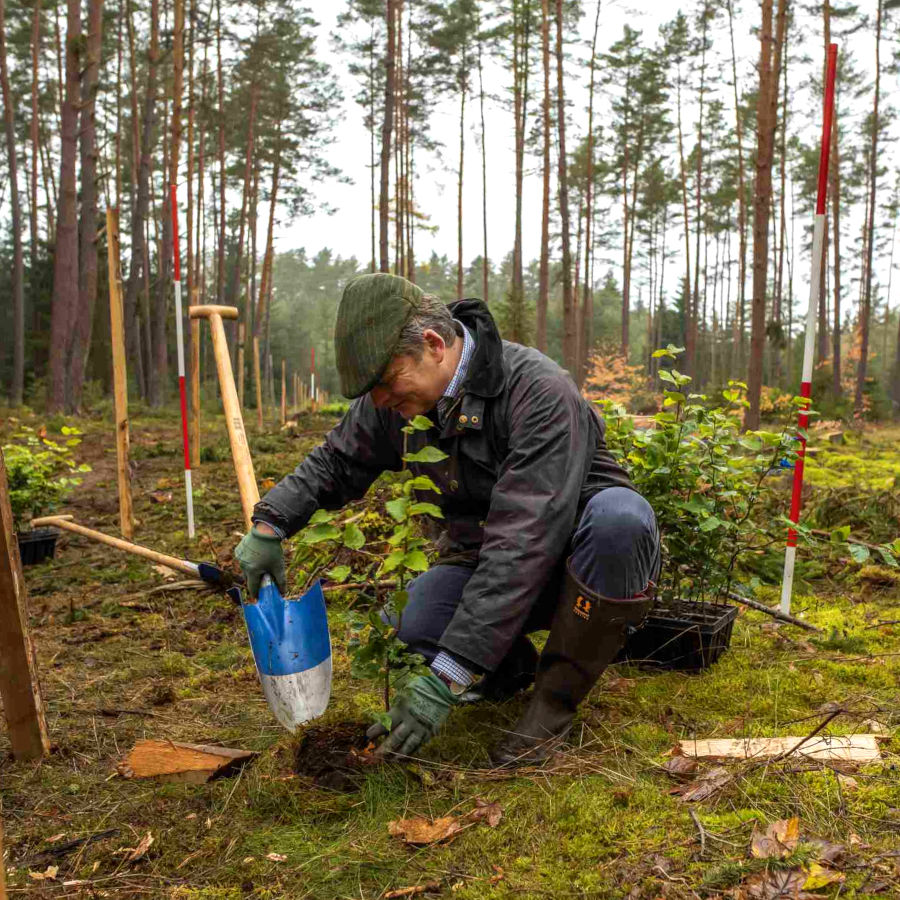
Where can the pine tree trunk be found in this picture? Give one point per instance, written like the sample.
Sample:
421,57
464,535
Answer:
386,128
220,117
485,266
737,325
782,221
371,124
586,333
687,225
460,268
866,305
570,337
834,177
65,269
769,64
35,149
690,357
137,274
189,223
544,266
18,272
87,236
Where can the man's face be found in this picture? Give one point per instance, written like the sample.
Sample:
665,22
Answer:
413,386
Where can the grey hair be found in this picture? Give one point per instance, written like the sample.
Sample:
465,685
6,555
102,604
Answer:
433,314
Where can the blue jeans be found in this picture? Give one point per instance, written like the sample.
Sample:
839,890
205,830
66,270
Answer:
614,552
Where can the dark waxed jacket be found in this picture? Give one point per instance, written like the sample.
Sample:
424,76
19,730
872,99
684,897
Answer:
525,453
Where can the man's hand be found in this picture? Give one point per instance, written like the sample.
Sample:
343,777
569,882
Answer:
417,715
260,553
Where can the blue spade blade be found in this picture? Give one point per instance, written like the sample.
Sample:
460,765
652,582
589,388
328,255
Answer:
292,649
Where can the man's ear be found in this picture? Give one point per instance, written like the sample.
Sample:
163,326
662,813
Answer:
435,344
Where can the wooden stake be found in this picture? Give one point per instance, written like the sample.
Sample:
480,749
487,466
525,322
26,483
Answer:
2,868
240,364
195,393
120,376
19,686
256,378
283,395
243,464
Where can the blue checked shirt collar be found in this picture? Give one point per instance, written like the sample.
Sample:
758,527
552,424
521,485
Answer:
459,376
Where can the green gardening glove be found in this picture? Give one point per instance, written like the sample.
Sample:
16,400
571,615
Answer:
418,713
261,554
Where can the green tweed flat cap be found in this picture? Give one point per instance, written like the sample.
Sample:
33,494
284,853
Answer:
373,310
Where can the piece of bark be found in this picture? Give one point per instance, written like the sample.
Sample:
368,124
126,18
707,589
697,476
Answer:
850,748
175,761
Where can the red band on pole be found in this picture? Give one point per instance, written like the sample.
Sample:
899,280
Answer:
173,204
825,152
184,423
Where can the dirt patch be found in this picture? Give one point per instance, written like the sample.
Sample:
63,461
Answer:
334,756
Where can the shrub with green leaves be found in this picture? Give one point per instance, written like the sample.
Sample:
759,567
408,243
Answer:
712,486
41,472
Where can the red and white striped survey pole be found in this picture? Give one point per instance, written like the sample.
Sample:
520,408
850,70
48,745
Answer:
188,489
815,283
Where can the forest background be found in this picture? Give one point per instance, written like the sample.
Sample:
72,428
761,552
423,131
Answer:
609,181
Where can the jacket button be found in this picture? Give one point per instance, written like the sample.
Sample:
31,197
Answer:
474,420
463,420
454,484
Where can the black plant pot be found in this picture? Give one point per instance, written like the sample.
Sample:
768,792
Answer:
38,545
682,635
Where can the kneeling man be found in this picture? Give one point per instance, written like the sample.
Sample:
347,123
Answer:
543,529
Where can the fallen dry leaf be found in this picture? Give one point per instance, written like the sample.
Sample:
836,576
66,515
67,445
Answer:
828,853
247,860
847,782
705,786
490,813
48,874
165,571
680,766
267,484
817,876
498,875
420,832
779,840
56,837
429,888
276,857
619,685
135,853
160,496
778,885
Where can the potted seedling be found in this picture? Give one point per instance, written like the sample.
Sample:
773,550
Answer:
708,483
41,474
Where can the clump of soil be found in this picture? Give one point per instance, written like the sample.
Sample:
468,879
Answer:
334,756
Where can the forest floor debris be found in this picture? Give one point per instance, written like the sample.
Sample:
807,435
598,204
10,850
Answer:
112,636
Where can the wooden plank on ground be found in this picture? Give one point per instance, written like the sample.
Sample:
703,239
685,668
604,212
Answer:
849,748
19,686
176,761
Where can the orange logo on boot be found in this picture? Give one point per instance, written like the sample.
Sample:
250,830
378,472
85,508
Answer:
582,607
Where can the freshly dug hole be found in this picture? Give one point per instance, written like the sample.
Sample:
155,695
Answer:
334,756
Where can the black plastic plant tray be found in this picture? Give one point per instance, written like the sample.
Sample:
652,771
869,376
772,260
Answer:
38,545
689,636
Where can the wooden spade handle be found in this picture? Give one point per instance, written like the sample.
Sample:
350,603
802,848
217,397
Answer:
65,522
237,436
224,312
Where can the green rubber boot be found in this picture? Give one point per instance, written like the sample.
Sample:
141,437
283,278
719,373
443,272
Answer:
587,632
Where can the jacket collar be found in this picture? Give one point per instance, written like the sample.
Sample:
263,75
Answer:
485,377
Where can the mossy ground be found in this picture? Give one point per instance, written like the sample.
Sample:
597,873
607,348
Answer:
118,664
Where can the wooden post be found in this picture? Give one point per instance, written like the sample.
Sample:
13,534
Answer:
240,364
283,394
120,376
256,378
2,868
295,392
195,392
19,686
